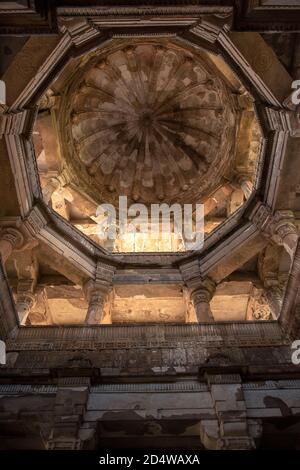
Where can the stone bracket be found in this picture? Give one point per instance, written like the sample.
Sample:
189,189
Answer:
231,430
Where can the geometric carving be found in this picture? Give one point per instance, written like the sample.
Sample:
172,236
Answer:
258,306
10,239
149,120
201,297
96,292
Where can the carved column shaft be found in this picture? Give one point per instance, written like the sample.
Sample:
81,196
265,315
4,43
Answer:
201,296
200,290
287,232
96,292
243,182
274,295
52,185
96,295
246,187
24,304
27,267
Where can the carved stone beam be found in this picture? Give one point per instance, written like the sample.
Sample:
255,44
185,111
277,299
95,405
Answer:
96,292
288,121
10,239
279,227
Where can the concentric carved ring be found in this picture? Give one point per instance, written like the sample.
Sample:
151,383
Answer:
150,121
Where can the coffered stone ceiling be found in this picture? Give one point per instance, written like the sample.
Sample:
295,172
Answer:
151,120
192,116
148,121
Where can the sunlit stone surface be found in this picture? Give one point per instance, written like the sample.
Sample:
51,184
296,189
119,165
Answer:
152,121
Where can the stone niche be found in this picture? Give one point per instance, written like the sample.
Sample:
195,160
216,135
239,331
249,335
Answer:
159,304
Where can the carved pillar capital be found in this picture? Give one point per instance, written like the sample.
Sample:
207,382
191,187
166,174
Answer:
200,290
244,182
10,239
51,186
279,227
285,230
24,304
25,298
201,295
96,292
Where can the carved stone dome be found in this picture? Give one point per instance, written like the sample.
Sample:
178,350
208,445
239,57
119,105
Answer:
149,120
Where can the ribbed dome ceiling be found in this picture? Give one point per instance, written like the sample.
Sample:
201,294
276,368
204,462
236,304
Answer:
150,121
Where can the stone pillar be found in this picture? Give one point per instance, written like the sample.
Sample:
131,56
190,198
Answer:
10,239
235,201
285,229
27,268
201,297
274,294
243,187
69,410
200,290
280,227
96,292
59,202
25,299
245,184
52,185
230,429
56,187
